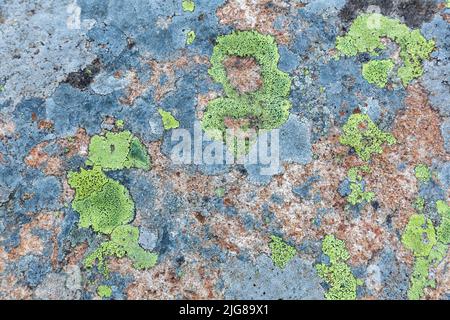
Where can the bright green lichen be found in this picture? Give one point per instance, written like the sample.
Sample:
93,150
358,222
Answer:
190,38
169,121
419,235
104,209
106,205
104,291
366,34
429,245
119,123
87,182
265,108
124,242
363,135
116,151
419,204
188,5
423,173
220,192
282,253
377,72
443,231
358,195
337,273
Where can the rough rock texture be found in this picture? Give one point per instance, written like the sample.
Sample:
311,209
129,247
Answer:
72,69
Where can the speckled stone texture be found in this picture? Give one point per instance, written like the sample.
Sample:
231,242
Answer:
71,68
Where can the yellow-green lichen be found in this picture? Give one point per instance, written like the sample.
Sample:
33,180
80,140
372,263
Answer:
377,72
337,273
103,209
443,231
419,235
169,121
188,5
363,135
190,37
366,34
430,247
281,252
358,194
423,173
124,242
266,108
104,204
104,291
116,151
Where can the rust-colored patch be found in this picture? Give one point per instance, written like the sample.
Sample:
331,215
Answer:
37,157
29,242
244,74
258,15
162,78
45,125
195,282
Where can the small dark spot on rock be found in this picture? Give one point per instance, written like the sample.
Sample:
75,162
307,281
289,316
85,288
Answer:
375,205
83,78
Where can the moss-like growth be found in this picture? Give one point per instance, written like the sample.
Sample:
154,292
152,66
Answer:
423,173
337,273
116,151
363,135
265,108
104,209
377,72
358,195
419,235
169,121
104,291
190,37
282,253
188,5
124,242
366,34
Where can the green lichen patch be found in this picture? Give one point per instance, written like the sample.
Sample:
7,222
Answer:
119,123
87,182
419,235
169,121
105,209
124,242
104,291
265,108
377,72
117,151
366,34
337,273
363,135
137,156
423,173
429,249
188,5
190,37
358,195
281,252
443,231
